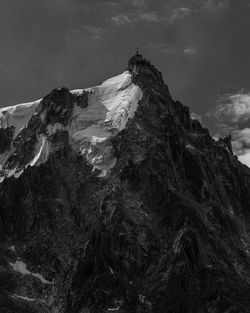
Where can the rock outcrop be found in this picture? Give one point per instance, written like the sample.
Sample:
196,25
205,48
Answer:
165,228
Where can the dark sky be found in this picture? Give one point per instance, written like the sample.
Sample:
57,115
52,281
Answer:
202,47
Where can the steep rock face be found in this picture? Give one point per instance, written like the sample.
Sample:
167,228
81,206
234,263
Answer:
164,229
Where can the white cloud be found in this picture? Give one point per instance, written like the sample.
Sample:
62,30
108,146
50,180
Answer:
245,158
233,116
147,16
190,51
233,108
241,144
196,116
241,139
179,13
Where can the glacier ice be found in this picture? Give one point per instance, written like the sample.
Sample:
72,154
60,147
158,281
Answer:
110,105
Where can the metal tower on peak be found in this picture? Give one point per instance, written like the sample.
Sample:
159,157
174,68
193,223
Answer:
138,56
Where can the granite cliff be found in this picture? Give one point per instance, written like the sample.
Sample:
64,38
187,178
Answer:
112,199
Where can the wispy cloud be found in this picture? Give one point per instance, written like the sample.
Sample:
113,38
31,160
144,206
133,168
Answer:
94,31
147,17
233,108
190,51
179,13
170,48
142,16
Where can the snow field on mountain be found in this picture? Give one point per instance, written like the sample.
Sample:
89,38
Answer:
17,115
110,105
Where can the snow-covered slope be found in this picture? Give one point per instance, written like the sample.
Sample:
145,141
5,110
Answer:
17,115
110,105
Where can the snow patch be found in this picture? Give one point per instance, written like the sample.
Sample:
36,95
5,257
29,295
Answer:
52,129
42,279
113,309
42,152
188,146
12,248
22,298
21,267
78,92
98,152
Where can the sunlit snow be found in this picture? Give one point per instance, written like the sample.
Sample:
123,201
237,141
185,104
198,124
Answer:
42,152
110,105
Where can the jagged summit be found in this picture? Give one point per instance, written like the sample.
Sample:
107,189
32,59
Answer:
137,57
89,117
113,199
137,60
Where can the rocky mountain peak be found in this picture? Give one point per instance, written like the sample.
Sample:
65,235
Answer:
139,65
112,198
